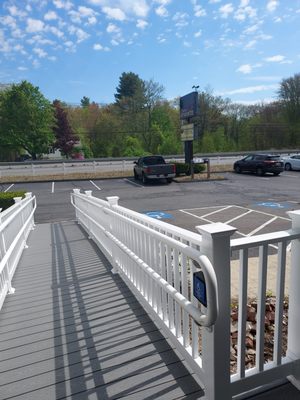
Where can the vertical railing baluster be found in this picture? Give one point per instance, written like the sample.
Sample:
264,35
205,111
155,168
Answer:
242,312
261,306
170,281
177,287
184,282
164,276
281,264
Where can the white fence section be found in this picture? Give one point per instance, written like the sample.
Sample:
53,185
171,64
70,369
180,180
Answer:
157,261
15,225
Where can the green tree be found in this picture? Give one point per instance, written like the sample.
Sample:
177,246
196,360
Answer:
131,90
289,95
26,119
85,101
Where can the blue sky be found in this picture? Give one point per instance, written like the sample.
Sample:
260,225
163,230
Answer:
74,48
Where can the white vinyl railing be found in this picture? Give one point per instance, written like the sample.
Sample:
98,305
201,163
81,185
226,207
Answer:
175,232
15,225
281,365
157,268
157,263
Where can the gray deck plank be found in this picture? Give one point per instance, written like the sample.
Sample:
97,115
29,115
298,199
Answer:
73,330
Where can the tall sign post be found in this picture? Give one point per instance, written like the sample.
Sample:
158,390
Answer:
188,110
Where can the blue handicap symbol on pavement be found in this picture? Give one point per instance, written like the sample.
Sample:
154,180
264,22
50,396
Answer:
159,215
273,205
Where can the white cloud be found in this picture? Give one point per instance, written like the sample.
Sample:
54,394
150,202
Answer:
198,34
251,29
36,63
86,11
244,3
250,44
141,24
226,10
114,13
245,69
66,5
250,89
99,47
138,8
181,19
50,15
38,39
112,28
243,12
187,44
57,32
79,33
161,11
9,21
277,58
22,68
199,11
40,52
161,39
272,5
214,1
16,12
163,2
34,25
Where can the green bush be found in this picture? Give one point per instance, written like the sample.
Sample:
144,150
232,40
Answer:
7,198
184,169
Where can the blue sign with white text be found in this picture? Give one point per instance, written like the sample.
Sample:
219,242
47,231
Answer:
159,215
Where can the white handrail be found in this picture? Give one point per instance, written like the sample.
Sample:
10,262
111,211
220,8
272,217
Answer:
204,319
9,252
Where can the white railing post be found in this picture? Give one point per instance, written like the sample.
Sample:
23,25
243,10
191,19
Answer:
89,194
113,201
18,200
293,350
76,191
216,341
28,195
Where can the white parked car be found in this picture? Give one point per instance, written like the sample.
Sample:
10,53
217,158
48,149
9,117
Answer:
291,162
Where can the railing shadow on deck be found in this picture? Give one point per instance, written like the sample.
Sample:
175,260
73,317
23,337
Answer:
107,344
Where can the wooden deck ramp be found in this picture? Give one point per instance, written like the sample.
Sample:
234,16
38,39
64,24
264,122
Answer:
72,330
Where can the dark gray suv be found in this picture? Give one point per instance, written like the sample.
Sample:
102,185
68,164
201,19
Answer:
260,164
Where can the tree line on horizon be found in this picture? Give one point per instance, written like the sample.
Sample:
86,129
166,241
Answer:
140,121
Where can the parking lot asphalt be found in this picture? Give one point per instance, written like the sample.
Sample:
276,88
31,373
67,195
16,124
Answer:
250,203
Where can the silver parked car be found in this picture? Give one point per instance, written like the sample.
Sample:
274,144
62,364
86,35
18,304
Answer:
292,162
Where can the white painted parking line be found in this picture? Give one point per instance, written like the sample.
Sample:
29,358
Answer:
204,208
7,189
262,226
217,211
52,187
96,186
133,183
239,216
196,216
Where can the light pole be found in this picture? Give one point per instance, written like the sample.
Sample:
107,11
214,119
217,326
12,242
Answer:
195,87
